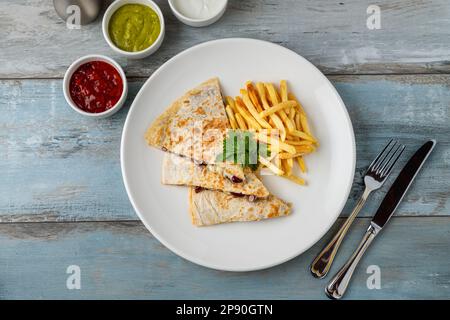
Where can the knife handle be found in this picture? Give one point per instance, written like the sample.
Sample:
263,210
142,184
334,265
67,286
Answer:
338,285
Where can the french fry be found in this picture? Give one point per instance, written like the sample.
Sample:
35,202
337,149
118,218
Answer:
262,95
287,155
299,143
230,102
301,164
273,95
278,161
276,142
252,123
271,166
305,149
284,167
263,108
250,107
292,114
283,91
302,135
284,94
276,120
253,95
278,107
231,117
289,125
240,121
291,96
288,165
295,179
279,125
297,122
305,125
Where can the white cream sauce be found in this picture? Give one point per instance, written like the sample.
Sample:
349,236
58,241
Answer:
199,9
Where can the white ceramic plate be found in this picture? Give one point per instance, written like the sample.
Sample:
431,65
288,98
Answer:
248,245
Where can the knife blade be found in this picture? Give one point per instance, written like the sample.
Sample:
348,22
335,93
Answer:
338,285
401,185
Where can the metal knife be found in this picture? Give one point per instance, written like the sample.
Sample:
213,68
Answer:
338,285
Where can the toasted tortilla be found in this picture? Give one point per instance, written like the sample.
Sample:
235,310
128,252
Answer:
182,171
209,207
194,126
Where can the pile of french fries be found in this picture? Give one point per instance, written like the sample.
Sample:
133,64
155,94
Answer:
278,119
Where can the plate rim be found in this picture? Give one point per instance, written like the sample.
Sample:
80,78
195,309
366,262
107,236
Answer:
200,261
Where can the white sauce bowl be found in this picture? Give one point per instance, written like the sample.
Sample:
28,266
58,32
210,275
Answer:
196,22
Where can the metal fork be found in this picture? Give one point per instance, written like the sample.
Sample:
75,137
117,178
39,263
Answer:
376,175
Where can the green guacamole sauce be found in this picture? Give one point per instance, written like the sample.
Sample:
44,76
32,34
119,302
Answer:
134,27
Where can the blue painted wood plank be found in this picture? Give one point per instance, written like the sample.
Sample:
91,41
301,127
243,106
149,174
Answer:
332,34
121,260
59,166
55,163
412,109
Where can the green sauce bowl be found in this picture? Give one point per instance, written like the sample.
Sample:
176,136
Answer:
123,23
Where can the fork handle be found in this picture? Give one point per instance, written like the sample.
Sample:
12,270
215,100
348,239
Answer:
339,284
322,263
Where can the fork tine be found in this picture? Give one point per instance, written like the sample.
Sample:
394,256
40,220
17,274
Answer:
387,171
386,162
386,154
379,155
388,157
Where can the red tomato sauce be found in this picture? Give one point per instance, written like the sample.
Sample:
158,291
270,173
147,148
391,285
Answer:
95,87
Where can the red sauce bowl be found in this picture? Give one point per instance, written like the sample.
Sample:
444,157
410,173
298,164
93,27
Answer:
95,86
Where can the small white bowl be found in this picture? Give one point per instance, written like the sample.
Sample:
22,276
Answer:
138,54
68,76
197,22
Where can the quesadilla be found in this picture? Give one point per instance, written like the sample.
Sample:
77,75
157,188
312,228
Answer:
182,171
194,126
208,207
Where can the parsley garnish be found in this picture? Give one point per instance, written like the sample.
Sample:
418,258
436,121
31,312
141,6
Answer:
241,147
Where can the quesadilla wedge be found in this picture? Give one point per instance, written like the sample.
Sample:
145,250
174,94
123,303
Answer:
194,126
182,171
208,207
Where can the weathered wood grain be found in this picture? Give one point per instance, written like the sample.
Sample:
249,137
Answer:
332,34
59,166
122,260
411,109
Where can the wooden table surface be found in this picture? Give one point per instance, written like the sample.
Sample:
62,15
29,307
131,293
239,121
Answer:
62,200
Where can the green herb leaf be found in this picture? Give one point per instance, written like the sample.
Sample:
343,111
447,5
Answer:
241,147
